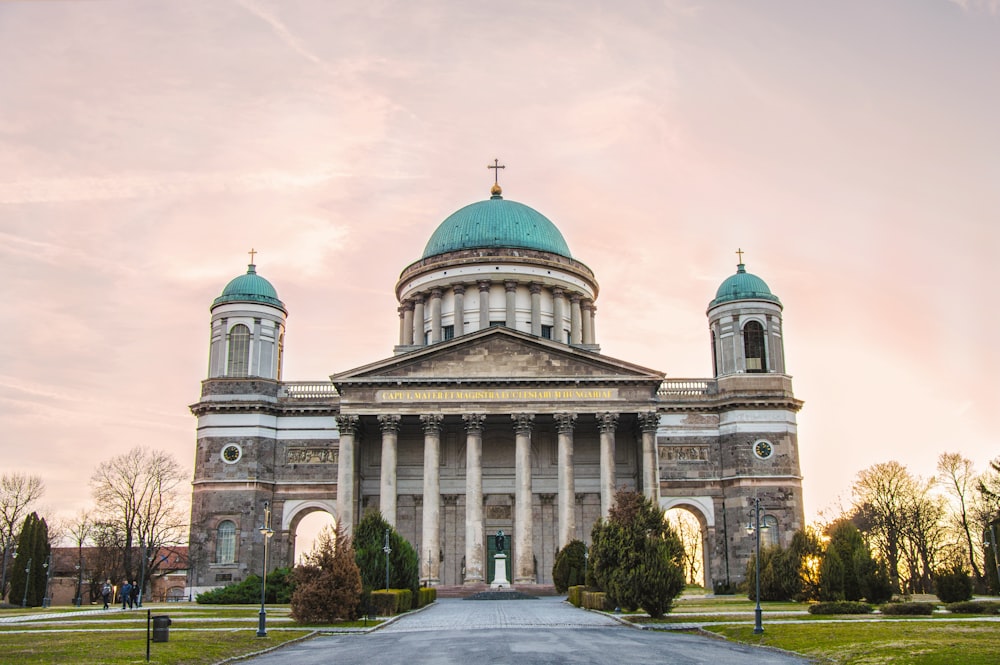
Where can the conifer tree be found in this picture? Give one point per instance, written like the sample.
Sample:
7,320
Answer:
328,584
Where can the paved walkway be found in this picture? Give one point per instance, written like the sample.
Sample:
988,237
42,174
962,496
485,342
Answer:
457,614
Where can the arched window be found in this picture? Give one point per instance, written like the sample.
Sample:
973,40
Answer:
768,530
225,542
753,347
239,351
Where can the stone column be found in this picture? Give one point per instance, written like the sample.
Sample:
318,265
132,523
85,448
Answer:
475,555
511,287
588,321
430,561
348,426
536,309
459,314
558,315
739,351
524,550
418,321
402,324
389,425
407,323
567,489
435,316
576,330
484,303
607,423
649,422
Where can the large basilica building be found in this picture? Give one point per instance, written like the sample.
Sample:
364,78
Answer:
495,411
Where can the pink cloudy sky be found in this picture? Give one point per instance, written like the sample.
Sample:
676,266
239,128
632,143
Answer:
852,149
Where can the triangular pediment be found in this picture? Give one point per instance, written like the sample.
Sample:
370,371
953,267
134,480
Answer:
498,354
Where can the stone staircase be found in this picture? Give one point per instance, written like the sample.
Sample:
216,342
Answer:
464,591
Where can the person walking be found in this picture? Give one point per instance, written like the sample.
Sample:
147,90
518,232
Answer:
134,598
126,595
106,592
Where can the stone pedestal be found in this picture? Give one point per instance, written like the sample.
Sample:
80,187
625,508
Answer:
500,572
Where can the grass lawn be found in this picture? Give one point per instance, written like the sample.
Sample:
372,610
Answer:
199,635
872,643
113,648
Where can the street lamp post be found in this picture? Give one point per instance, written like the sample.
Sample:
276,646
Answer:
79,584
46,599
754,528
388,551
266,531
27,583
144,549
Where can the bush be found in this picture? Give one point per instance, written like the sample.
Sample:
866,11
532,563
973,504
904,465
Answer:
925,609
369,539
426,595
328,584
841,607
570,566
636,557
575,596
384,603
953,585
724,589
974,607
597,600
280,585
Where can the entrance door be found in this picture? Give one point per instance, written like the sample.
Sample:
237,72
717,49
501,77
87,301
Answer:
491,549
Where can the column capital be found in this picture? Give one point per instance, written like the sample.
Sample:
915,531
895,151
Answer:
557,292
389,423
474,421
565,422
436,292
649,421
484,284
431,423
587,303
607,422
347,424
407,305
510,285
458,288
536,287
523,422
575,298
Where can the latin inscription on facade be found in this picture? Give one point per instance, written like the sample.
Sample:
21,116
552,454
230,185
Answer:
312,456
498,512
684,453
498,395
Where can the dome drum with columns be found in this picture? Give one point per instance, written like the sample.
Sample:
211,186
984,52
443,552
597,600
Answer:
496,410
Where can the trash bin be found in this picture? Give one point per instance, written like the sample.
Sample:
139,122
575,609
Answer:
161,628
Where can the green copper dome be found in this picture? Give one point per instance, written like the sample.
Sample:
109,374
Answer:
743,286
250,287
496,223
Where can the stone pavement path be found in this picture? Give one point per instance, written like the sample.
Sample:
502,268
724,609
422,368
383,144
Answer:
457,614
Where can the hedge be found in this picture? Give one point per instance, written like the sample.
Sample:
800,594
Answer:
575,595
974,607
840,607
597,600
426,595
909,608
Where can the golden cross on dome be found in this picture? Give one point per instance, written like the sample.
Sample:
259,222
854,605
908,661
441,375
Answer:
251,253
496,170
739,253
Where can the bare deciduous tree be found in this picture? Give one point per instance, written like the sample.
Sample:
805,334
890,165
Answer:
958,477
17,492
137,496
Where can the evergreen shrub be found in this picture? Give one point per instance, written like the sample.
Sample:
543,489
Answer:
974,607
328,583
925,609
570,565
575,594
280,585
426,595
953,585
840,607
597,600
